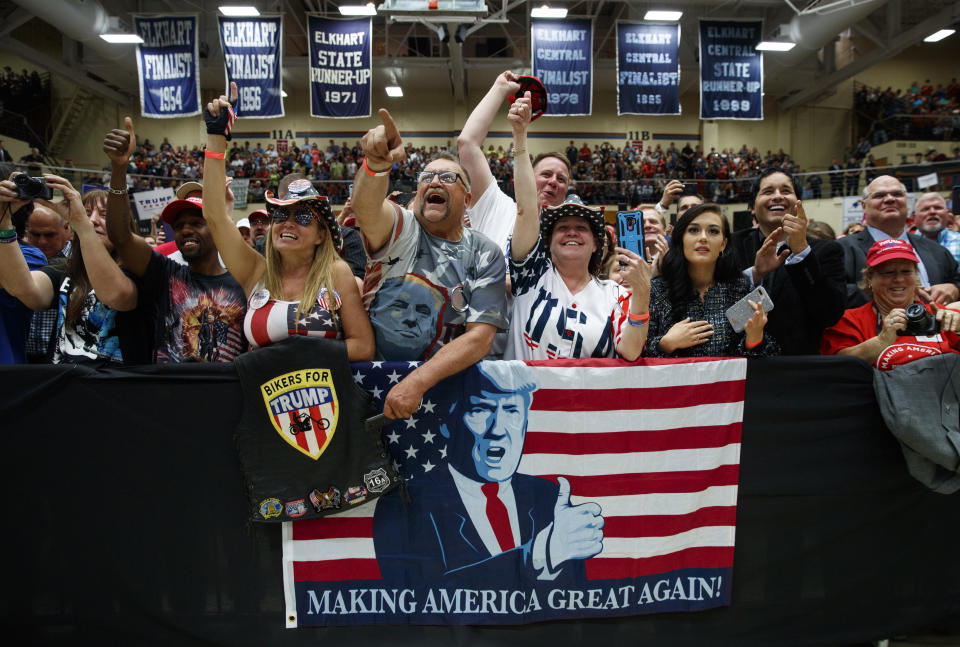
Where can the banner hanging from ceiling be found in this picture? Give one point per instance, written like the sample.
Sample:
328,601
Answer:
168,65
253,57
648,69
731,70
563,61
340,67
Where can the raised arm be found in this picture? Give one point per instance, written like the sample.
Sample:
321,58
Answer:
134,252
470,141
242,261
114,288
33,289
382,148
527,227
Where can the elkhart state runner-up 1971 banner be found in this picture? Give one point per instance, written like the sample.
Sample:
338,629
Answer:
537,491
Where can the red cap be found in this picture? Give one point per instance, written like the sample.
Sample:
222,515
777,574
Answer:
890,249
173,209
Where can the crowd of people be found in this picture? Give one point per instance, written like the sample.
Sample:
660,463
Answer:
922,111
461,270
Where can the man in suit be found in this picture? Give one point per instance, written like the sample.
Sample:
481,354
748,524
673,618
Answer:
885,212
802,274
475,519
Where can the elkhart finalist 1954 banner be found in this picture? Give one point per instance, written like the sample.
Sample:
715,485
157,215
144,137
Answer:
537,491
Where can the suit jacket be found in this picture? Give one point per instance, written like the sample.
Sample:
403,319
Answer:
431,540
808,296
940,264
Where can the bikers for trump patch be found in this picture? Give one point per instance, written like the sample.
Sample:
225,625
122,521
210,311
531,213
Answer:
303,408
303,438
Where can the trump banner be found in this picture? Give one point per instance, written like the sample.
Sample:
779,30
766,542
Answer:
562,60
168,65
536,491
648,69
252,55
731,70
340,67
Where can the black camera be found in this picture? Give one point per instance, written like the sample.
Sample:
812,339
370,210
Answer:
920,323
32,188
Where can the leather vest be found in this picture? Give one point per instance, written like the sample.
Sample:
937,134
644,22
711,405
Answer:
303,445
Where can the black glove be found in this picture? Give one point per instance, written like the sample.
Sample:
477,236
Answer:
222,124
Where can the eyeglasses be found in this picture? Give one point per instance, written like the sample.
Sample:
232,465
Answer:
893,194
446,177
259,221
302,216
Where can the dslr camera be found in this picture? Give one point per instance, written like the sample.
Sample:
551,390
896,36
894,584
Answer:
32,188
920,323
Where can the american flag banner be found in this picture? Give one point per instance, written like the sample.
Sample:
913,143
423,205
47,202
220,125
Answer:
537,491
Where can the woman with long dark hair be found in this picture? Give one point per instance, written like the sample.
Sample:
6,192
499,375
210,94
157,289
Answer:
89,287
697,284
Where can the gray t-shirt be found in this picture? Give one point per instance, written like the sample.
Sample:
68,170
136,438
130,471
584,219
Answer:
422,291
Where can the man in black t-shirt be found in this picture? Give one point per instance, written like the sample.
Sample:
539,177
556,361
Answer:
190,312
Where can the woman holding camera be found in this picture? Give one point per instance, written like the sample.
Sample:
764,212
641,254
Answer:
894,327
698,282
89,287
302,287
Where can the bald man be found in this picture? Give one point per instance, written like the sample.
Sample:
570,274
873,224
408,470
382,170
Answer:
51,234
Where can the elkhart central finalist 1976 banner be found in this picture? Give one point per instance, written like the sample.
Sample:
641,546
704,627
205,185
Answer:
563,61
537,491
168,65
340,67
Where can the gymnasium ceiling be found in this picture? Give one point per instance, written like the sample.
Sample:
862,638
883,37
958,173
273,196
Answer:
861,33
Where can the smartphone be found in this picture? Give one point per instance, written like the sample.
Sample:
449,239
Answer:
740,312
630,224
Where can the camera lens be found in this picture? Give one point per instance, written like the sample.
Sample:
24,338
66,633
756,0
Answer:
915,313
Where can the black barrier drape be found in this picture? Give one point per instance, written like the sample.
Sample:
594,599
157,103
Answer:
125,522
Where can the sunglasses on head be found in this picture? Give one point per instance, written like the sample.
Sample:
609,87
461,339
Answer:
302,216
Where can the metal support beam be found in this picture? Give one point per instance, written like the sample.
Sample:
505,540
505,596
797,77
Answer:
16,18
896,45
76,75
893,18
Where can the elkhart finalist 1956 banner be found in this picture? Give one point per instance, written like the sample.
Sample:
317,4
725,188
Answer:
537,491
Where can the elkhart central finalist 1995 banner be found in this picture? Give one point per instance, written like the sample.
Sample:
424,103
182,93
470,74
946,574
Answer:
253,57
168,65
340,67
535,491
648,69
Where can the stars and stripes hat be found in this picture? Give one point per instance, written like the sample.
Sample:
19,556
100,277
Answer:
574,207
295,189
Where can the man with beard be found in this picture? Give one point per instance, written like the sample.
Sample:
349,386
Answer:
493,213
930,215
173,299
445,290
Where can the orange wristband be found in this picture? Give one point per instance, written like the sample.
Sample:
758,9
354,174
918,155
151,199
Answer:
373,173
753,345
213,154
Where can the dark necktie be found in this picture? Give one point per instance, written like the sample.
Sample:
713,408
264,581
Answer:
497,515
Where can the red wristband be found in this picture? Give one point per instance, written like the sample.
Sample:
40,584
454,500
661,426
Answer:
213,154
753,345
644,318
373,173
950,309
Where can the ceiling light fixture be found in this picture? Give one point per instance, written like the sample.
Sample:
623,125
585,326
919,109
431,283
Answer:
121,38
368,9
238,11
939,35
775,46
545,11
394,91
670,16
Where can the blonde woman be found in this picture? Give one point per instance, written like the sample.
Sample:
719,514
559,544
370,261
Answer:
301,286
